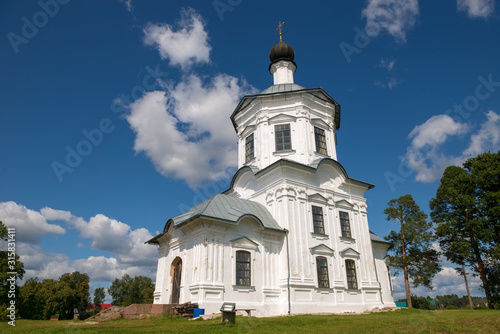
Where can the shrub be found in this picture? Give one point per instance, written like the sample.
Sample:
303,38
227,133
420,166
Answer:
85,315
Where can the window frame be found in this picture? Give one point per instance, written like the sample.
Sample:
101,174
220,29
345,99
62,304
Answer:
351,276
316,228
322,270
248,276
345,225
282,136
320,140
249,157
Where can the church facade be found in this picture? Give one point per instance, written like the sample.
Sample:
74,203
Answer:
291,233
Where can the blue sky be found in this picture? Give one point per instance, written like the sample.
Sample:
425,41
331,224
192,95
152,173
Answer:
115,114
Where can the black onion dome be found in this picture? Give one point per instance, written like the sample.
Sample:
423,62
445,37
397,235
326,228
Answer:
281,51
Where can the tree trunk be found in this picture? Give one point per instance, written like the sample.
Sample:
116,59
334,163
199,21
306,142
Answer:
405,270
480,265
481,269
407,287
484,280
467,285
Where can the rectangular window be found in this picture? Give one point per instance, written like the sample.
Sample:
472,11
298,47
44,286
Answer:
350,267
344,224
322,267
318,220
249,148
243,268
282,136
319,136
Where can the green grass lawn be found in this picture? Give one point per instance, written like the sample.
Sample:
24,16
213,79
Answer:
403,321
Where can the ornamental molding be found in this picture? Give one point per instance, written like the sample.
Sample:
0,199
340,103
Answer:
322,250
344,203
281,118
245,243
349,252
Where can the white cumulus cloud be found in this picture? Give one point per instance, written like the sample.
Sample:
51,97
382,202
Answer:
129,253
107,234
397,17
476,8
30,225
426,153
46,265
435,131
487,137
182,47
186,131
100,268
446,282
34,257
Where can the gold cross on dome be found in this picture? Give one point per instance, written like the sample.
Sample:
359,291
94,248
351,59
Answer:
279,27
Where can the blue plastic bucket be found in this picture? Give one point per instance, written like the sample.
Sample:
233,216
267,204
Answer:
197,312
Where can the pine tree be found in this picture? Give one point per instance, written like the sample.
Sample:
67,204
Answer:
411,246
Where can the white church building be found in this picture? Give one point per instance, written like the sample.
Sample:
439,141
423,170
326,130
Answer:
291,233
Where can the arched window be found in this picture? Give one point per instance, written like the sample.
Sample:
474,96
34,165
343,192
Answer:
322,268
243,268
350,268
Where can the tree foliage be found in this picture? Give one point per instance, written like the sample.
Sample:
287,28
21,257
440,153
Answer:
99,296
453,300
3,231
5,265
40,300
128,290
32,300
411,245
73,292
466,211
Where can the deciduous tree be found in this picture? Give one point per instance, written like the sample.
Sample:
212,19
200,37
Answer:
73,292
32,300
411,246
127,290
3,231
99,296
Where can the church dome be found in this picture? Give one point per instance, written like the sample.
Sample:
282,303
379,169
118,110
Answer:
281,51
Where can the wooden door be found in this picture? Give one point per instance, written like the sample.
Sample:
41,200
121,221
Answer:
176,283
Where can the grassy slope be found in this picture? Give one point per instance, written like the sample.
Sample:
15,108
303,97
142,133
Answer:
404,321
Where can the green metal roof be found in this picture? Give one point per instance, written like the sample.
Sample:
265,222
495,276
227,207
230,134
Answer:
227,209
376,238
281,88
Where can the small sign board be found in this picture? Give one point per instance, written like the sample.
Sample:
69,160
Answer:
228,307
228,312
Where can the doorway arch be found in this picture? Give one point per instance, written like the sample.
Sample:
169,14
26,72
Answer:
176,274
